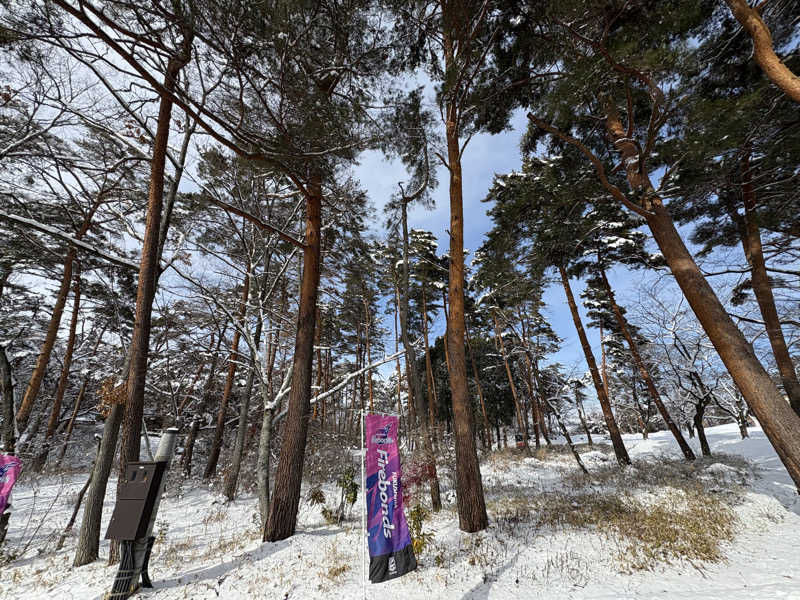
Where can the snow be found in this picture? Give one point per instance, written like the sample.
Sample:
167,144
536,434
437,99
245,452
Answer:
210,549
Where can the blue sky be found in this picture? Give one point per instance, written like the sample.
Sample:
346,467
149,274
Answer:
485,156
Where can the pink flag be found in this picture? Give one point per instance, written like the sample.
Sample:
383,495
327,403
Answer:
9,471
390,549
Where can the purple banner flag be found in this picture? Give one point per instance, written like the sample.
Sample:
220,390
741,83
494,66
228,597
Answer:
9,471
390,550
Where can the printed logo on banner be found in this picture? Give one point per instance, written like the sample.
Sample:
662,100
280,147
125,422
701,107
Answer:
390,549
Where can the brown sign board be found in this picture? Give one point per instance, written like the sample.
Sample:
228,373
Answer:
135,501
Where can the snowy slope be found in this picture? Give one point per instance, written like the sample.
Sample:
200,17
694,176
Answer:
208,549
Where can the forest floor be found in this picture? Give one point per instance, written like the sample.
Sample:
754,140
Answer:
725,528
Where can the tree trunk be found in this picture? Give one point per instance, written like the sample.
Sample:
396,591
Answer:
432,400
520,425
763,50
194,428
613,431
644,371
779,421
37,376
232,479
282,518
582,416
469,489
55,411
148,273
415,378
487,432
89,537
219,429
751,241
701,430
7,396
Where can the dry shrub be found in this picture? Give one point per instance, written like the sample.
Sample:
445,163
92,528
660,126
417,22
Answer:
655,512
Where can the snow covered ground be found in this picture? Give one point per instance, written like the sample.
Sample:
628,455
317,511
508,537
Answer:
208,549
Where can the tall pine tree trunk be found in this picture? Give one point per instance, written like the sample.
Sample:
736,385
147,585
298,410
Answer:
469,489
645,372
148,271
282,518
37,376
416,397
613,431
762,288
779,421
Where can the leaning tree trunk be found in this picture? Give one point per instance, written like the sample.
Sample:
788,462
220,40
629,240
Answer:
645,372
148,272
763,50
762,288
55,411
613,431
89,537
37,376
469,489
282,518
219,429
779,421
416,394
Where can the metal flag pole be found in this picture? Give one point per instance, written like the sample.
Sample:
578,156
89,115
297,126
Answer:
363,512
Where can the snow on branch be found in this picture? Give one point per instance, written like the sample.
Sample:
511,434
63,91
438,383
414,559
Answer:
347,379
113,258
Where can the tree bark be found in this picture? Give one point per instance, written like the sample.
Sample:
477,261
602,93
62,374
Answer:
219,429
282,518
89,537
415,379
37,376
613,431
520,425
7,395
148,271
582,416
55,411
232,478
779,421
763,50
762,289
469,489
645,372
701,430
487,431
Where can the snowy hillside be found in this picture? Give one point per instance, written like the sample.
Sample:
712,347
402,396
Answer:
553,534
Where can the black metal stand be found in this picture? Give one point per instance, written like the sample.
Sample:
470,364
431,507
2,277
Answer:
124,585
145,575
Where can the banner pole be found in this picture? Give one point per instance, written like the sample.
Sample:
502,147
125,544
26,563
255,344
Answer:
363,512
